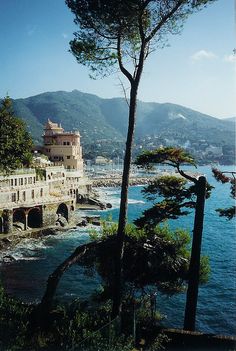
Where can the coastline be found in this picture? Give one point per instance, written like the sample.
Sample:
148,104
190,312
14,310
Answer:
211,246
8,241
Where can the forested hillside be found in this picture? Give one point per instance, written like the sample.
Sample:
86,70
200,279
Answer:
104,121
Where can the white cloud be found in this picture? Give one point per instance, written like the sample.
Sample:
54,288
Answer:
230,58
203,55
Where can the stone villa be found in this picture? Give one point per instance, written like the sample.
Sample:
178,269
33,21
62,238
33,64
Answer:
41,196
63,147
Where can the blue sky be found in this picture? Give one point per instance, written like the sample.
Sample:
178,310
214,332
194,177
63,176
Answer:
197,70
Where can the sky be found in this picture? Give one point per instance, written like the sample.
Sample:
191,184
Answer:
197,69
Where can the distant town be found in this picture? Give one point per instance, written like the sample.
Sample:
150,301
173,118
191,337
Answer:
203,151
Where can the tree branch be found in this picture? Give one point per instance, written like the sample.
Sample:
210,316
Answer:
55,277
164,19
122,68
124,92
192,179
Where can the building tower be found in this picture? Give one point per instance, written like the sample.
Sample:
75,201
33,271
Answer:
63,148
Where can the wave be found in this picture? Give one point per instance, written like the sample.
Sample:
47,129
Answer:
32,249
112,196
28,249
133,201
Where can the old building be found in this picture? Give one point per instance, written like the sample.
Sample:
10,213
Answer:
63,147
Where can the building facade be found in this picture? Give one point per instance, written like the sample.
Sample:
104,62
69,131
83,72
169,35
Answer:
38,197
63,147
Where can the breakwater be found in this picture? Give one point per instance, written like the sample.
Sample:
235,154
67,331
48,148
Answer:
116,181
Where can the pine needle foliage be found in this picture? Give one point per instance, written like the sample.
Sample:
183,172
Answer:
221,177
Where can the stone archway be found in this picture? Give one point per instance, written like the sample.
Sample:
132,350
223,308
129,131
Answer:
19,219
35,217
63,211
80,199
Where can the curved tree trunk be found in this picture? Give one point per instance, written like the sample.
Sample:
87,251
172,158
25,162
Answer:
39,315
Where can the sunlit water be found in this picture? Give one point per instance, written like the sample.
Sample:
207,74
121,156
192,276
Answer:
35,259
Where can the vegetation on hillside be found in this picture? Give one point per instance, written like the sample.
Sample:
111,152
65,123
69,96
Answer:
102,124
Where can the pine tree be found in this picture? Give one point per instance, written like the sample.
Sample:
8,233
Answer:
15,142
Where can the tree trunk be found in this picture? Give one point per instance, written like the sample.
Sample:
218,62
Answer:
117,284
194,267
39,315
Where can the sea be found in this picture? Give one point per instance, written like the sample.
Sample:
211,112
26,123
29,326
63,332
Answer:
25,277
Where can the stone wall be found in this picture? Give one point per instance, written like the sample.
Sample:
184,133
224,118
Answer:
7,221
49,215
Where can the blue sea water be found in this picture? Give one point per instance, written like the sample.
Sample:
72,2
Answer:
35,259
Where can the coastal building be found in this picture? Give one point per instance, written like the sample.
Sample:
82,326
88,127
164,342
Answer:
47,194
63,148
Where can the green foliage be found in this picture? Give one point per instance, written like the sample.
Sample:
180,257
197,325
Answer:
167,155
112,32
100,25
14,316
155,257
177,197
153,261
205,269
166,186
174,192
15,142
98,126
40,173
77,326
229,212
160,212
71,327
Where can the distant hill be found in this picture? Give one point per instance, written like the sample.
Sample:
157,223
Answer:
100,119
231,119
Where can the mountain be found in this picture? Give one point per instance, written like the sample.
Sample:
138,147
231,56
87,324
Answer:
74,110
231,119
100,120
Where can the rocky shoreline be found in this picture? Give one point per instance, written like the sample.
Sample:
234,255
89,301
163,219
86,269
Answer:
9,241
